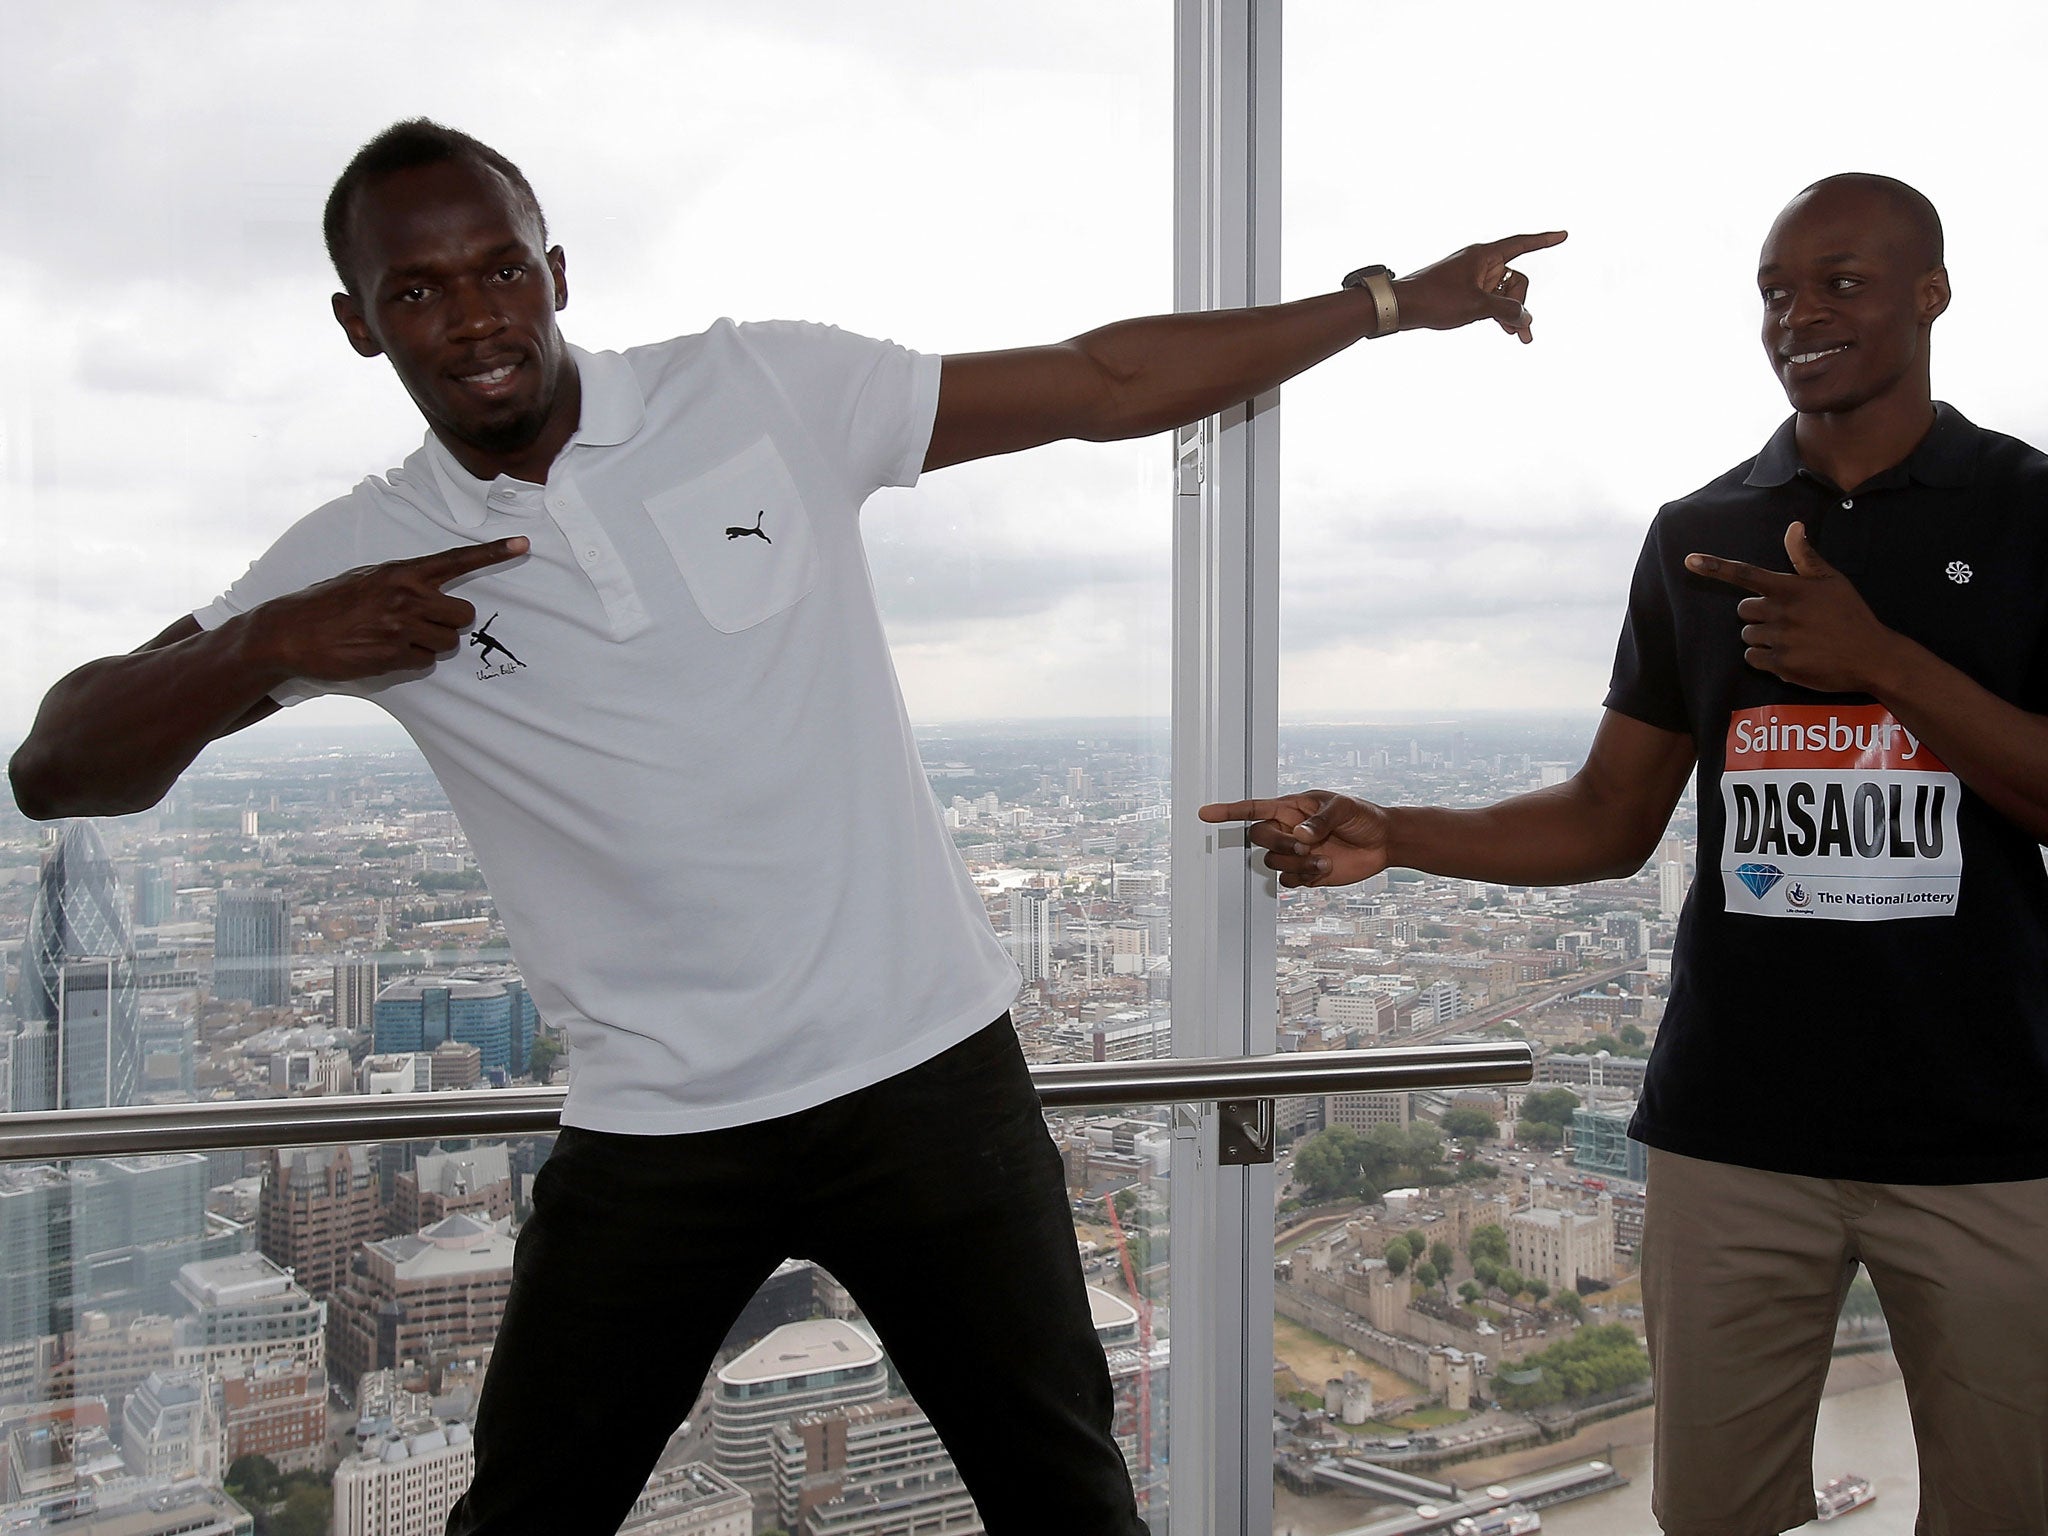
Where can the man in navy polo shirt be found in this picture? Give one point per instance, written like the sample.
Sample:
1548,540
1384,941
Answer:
678,749
1854,1057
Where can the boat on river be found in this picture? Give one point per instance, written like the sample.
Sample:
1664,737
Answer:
1508,1520
1842,1495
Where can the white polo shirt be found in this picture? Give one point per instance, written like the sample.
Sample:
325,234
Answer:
682,759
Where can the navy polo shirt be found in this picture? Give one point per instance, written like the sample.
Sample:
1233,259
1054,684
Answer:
1860,979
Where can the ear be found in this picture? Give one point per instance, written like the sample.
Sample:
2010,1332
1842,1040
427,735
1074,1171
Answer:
1934,295
349,315
558,269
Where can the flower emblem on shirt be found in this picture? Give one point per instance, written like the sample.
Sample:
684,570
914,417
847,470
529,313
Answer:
1959,573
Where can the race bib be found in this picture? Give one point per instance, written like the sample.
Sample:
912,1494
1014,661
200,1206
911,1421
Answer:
1837,812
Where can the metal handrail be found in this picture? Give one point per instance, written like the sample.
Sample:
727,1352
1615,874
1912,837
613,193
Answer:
52,1135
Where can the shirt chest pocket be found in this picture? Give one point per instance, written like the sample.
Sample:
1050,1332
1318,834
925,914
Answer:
741,538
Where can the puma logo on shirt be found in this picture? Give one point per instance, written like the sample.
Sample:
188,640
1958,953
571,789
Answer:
754,532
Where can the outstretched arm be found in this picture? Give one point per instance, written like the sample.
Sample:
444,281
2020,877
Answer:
1600,824
1137,377
113,736
1811,627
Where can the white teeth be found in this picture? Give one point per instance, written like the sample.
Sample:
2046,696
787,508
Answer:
1814,357
495,376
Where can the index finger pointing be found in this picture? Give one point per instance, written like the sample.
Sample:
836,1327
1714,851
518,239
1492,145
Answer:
1245,810
1751,578
447,564
1520,245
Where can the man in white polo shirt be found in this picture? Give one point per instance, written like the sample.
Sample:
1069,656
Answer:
664,711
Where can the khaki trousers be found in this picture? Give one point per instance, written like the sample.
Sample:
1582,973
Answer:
1743,1277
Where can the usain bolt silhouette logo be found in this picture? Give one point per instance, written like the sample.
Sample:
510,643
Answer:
481,637
753,532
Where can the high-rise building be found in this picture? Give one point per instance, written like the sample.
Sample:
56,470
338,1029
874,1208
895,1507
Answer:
1361,1111
800,1368
153,896
355,994
78,1045
104,1358
690,1500
318,1206
171,1428
246,1310
478,1182
868,1469
440,1288
496,1015
276,1409
1031,931
404,1483
108,1234
1670,888
252,946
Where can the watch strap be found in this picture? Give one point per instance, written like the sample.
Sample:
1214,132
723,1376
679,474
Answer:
1379,282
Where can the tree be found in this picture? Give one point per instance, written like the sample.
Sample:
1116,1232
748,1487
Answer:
306,1512
1489,1241
1486,1272
1468,1124
1539,1133
1397,1258
1470,1292
1571,1304
1511,1283
252,1479
1329,1164
1425,1275
1537,1289
1443,1256
540,1061
1591,1361
1632,1035
1553,1105
1418,1245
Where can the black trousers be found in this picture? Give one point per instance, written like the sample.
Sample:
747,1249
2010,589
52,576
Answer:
936,1198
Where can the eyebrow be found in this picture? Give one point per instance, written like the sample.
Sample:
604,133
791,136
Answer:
509,247
1832,259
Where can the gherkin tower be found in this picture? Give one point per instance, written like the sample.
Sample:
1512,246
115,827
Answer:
80,1046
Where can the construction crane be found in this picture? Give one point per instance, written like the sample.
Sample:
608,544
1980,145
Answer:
1144,1310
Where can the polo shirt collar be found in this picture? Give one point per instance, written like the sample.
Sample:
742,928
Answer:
613,409
1946,456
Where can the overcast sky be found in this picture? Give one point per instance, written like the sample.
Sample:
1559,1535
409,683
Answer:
1460,513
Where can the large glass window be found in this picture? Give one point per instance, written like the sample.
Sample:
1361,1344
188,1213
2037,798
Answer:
303,914
1459,519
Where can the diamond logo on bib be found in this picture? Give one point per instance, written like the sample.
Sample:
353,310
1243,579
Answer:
1837,812
1759,878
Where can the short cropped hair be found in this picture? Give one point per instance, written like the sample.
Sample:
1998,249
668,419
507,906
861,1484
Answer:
1912,205
415,142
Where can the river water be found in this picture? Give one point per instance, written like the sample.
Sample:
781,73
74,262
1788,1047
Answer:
1866,1431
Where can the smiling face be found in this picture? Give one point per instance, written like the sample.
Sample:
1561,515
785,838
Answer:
452,285
1850,288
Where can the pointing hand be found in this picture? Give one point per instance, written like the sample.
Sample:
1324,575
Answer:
1476,283
1313,838
1808,625
376,618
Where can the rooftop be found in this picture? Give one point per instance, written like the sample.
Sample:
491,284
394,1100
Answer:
803,1349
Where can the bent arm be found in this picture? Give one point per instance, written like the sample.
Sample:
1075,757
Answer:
1998,749
112,737
1602,823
